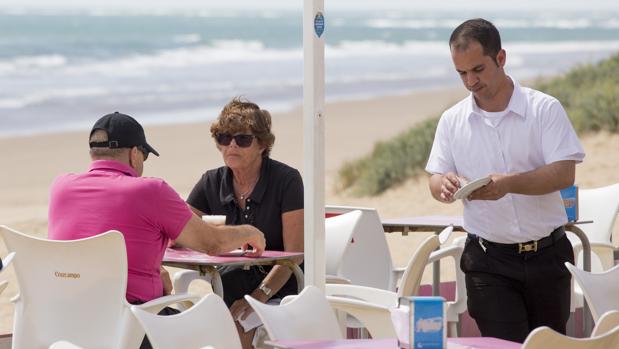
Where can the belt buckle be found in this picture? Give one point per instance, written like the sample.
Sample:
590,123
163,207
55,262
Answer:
530,247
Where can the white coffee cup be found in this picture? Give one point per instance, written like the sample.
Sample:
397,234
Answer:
214,219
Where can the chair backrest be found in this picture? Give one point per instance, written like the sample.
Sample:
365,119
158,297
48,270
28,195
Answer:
608,321
601,205
409,285
69,290
307,317
544,338
601,290
206,323
356,247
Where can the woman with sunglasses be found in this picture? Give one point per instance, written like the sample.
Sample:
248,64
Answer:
252,189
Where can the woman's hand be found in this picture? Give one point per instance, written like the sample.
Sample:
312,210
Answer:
240,309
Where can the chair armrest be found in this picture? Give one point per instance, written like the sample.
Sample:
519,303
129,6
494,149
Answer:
397,273
376,318
7,260
63,345
603,250
3,285
154,306
368,294
183,278
334,279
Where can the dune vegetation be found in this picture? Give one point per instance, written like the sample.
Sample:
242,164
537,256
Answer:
589,93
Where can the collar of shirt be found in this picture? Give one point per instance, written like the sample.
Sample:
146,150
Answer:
226,192
517,102
112,166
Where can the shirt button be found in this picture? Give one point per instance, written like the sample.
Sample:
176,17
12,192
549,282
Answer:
245,216
247,207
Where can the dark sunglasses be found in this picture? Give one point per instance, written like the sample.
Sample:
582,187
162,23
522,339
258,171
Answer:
143,150
242,141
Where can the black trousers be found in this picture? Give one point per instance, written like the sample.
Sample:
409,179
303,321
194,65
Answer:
510,293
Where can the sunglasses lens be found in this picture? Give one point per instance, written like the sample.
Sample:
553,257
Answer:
243,140
224,139
144,152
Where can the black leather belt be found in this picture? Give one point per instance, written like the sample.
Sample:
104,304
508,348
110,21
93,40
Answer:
522,247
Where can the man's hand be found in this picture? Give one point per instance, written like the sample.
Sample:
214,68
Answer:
255,240
165,279
449,185
496,189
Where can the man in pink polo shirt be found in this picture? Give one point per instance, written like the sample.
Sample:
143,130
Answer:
112,195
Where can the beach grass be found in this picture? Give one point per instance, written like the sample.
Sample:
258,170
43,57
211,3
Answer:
589,93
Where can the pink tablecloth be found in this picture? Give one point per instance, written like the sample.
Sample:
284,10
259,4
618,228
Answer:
452,343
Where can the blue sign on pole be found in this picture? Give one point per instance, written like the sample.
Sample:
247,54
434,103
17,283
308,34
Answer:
319,24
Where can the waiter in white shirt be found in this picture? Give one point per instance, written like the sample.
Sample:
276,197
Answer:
522,139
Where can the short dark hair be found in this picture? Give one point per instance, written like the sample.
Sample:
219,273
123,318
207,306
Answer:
480,30
240,115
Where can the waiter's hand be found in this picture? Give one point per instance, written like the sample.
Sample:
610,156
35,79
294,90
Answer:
449,185
496,189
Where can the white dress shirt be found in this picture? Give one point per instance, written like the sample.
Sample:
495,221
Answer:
534,132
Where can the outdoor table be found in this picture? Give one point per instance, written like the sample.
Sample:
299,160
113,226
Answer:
437,223
205,264
452,343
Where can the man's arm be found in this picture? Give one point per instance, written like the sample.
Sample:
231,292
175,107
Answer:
543,180
201,236
443,186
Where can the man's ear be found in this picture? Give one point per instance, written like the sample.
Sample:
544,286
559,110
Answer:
501,58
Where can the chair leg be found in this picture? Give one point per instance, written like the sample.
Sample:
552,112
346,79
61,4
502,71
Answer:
452,329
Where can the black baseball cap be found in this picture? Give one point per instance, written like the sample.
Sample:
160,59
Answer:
123,131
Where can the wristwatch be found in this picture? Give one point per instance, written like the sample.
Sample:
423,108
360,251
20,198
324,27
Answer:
263,287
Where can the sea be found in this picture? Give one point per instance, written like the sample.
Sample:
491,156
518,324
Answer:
61,69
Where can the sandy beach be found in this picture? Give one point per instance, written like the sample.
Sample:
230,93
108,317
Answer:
187,150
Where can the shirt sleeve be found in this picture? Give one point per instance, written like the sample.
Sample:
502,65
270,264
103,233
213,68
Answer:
173,213
292,198
559,140
441,159
197,197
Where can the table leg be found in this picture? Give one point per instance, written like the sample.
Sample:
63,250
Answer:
436,278
216,283
296,270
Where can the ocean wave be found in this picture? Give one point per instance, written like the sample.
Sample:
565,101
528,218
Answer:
503,23
230,52
187,38
49,95
561,47
31,63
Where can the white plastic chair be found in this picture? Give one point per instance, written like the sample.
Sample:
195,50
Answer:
5,263
607,322
545,337
183,278
601,290
74,291
356,252
379,302
307,316
600,205
64,345
356,249
207,323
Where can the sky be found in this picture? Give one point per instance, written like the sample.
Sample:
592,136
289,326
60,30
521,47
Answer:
329,4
